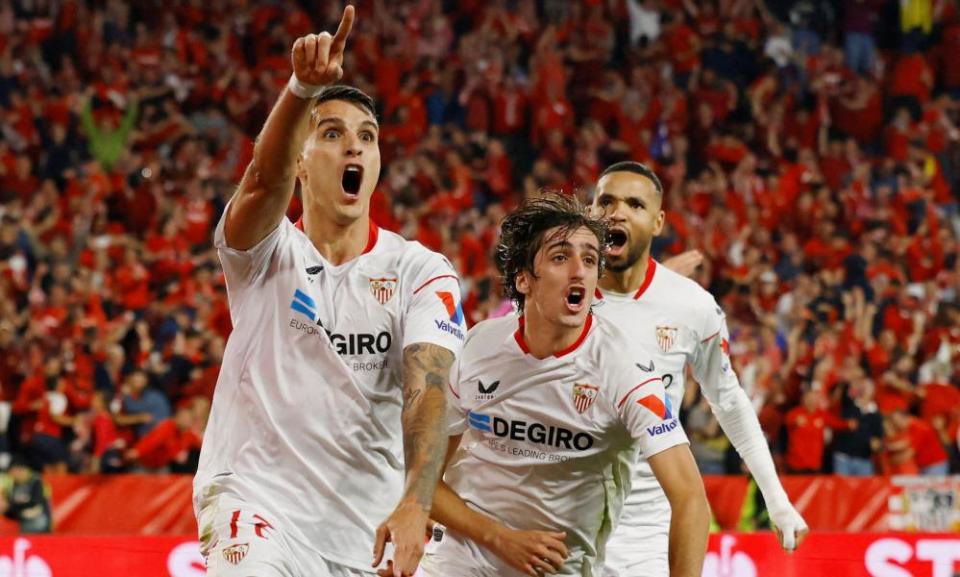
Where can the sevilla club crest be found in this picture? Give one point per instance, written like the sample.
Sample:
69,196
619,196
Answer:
666,338
382,289
235,553
583,396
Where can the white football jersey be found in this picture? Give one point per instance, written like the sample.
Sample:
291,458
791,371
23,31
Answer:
679,323
548,444
305,422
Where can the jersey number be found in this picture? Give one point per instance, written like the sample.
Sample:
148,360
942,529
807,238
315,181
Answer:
258,526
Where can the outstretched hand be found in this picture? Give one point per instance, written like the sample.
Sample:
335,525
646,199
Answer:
318,58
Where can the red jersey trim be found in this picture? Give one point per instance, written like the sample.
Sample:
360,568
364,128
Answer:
634,389
372,236
424,285
576,344
647,279
711,337
518,336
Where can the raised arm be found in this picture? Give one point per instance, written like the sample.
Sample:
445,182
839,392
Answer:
426,372
268,182
677,473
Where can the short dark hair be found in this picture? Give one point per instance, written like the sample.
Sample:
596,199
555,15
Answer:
522,235
349,94
636,168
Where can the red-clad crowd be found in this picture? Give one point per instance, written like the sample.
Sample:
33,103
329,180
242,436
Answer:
810,151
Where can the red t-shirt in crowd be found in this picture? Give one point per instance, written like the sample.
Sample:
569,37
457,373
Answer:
164,443
805,430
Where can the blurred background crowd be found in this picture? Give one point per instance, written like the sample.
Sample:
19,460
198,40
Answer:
810,151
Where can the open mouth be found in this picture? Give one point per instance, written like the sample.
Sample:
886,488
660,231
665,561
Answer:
576,298
616,240
352,179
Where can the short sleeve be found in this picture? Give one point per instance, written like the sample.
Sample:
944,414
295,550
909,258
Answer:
646,411
434,313
456,414
711,365
244,268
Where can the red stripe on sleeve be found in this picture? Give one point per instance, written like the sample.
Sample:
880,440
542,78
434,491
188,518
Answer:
710,337
424,285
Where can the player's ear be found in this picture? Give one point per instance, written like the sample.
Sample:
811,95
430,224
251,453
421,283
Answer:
301,172
658,225
522,283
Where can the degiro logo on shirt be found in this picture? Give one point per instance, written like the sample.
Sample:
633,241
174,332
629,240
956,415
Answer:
454,311
538,433
345,344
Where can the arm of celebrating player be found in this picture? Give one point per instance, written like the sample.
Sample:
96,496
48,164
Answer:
426,372
267,185
733,410
649,416
677,473
532,552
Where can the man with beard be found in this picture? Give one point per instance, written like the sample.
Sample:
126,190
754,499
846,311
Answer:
680,324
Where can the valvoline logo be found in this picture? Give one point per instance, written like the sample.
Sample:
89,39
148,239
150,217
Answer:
453,307
662,409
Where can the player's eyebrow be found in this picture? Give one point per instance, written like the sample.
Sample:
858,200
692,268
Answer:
565,244
337,121
622,198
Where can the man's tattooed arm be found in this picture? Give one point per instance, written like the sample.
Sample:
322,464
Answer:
426,372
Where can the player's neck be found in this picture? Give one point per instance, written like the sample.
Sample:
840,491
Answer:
626,281
544,338
336,242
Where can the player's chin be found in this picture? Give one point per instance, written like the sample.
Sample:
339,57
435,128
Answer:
574,315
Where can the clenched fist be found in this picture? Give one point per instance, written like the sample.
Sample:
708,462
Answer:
318,58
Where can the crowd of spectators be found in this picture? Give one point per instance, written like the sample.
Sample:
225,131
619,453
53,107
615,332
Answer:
810,152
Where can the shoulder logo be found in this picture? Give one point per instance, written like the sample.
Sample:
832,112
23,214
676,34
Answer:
646,369
454,309
662,409
666,337
583,396
382,289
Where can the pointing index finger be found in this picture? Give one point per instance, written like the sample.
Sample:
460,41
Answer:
343,30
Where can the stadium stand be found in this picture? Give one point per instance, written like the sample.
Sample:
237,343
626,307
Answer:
810,149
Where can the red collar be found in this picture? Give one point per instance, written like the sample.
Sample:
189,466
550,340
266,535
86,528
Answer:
372,236
518,335
647,279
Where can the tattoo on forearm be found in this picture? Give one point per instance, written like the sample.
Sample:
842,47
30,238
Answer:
426,370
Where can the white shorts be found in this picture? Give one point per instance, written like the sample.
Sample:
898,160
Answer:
639,545
238,539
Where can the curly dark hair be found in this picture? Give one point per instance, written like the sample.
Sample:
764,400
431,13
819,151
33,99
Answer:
522,235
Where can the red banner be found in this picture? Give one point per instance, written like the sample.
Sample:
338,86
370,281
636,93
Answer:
161,504
830,554
101,556
729,555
